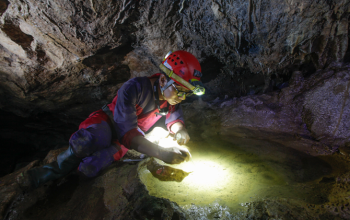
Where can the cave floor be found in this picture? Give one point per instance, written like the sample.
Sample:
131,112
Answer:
230,177
234,174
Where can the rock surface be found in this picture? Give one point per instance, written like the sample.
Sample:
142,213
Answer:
314,109
118,193
115,194
282,61
56,53
63,60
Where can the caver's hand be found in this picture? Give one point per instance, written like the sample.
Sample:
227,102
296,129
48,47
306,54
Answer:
174,155
182,137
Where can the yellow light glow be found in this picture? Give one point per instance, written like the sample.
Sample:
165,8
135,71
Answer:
168,142
219,171
157,134
204,173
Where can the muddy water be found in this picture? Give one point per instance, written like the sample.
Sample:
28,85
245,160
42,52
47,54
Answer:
233,172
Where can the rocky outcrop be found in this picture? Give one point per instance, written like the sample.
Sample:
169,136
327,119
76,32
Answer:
55,53
118,193
115,194
47,54
61,60
314,109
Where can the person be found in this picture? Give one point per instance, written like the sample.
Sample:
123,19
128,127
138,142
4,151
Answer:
107,134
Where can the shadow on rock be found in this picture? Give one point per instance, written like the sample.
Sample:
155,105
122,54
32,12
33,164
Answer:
117,193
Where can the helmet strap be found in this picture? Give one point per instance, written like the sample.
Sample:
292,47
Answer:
162,111
198,90
166,86
173,75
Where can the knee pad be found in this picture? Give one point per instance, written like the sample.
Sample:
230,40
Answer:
92,165
88,170
82,143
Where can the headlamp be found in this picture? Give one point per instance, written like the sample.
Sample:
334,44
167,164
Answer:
198,90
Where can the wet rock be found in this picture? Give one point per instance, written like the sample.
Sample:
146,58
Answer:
326,108
10,190
345,150
165,173
115,194
312,112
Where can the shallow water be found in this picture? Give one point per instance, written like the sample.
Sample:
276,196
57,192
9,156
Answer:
232,172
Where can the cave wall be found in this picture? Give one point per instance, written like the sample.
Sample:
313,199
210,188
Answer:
273,69
61,60
310,115
44,46
69,55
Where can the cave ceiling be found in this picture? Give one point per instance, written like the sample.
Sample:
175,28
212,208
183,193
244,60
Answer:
67,56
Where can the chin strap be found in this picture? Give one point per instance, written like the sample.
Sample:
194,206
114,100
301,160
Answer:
162,111
166,86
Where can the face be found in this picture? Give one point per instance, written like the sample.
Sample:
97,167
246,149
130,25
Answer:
171,93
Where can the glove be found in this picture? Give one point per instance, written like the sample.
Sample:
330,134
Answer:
174,155
182,137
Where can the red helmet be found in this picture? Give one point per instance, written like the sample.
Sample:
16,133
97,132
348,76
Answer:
185,65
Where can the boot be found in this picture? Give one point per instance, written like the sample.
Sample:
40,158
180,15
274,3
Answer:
33,178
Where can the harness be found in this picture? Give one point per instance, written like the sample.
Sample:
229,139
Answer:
108,112
162,111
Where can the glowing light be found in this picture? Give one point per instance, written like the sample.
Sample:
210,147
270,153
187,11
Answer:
199,90
167,142
219,172
158,134
204,173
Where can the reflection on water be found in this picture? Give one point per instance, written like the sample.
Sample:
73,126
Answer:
236,171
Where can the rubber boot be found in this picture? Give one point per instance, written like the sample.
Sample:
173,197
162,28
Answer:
33,178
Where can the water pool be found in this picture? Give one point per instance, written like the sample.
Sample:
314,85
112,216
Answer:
233,171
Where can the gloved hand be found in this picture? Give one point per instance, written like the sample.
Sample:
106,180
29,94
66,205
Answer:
174,155
182,137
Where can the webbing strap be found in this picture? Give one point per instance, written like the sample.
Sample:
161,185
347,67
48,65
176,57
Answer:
111,123
167,85
162,111
176,77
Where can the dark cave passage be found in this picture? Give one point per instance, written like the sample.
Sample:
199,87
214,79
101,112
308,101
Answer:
27,139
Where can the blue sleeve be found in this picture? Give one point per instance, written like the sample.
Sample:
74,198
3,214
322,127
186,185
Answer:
125,109
176,115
